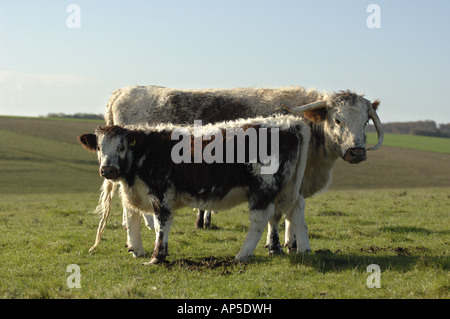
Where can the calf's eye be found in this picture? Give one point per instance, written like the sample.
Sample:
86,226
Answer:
337,122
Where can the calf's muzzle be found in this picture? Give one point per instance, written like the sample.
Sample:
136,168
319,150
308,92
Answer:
109,172
355,155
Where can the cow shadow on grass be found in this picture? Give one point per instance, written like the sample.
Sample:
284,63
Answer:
324,261
393,258
398,258
224,266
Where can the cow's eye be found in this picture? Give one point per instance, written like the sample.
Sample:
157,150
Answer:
121,149
337,122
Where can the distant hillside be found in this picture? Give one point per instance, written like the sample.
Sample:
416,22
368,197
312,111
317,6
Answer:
82,116
396,168
43,156
424,128
32,164
404,161
64,130
420,143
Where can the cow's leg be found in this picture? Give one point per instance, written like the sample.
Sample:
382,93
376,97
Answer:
148,220
124,218
207,219
133,225
296,230
289,237
258,221
199,222
273,239
163,221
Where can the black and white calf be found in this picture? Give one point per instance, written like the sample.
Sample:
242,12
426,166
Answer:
212,174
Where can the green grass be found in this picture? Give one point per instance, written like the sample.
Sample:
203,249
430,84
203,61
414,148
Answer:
392,210
405,232
415,142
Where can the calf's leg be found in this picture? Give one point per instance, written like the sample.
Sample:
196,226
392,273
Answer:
258,221
200,219
163,221
273,240
132,223
296,230
148,220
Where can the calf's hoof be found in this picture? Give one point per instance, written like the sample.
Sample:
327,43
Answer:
273,252
274,249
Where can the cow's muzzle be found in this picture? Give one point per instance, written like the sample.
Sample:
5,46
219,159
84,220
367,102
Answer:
109,172
355,155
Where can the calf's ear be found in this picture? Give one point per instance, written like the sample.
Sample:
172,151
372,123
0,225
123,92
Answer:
134,138
88,141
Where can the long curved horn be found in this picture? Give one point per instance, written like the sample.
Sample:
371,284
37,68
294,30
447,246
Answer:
310,107
376,120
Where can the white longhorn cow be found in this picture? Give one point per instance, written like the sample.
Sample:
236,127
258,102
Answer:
337,122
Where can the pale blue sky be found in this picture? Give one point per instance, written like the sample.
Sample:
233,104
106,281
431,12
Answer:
47,67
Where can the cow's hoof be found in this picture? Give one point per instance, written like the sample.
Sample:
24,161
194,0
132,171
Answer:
242,258
140,252
291,250
138,255
153,261
295,251
273,252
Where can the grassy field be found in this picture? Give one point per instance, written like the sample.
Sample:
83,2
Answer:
421,143
42,234
392,210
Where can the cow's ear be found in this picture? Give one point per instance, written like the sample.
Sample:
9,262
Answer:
316,115
375,104
88,141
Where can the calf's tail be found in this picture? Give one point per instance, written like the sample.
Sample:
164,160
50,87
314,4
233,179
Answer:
108,188
104,209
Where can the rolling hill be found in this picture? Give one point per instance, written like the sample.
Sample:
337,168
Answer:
40,155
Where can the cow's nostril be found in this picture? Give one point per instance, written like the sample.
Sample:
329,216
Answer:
108,172
357,152
355,155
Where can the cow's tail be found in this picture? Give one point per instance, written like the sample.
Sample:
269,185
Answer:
104,209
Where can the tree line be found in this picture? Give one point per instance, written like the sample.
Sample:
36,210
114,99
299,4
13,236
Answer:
425,128
85,116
